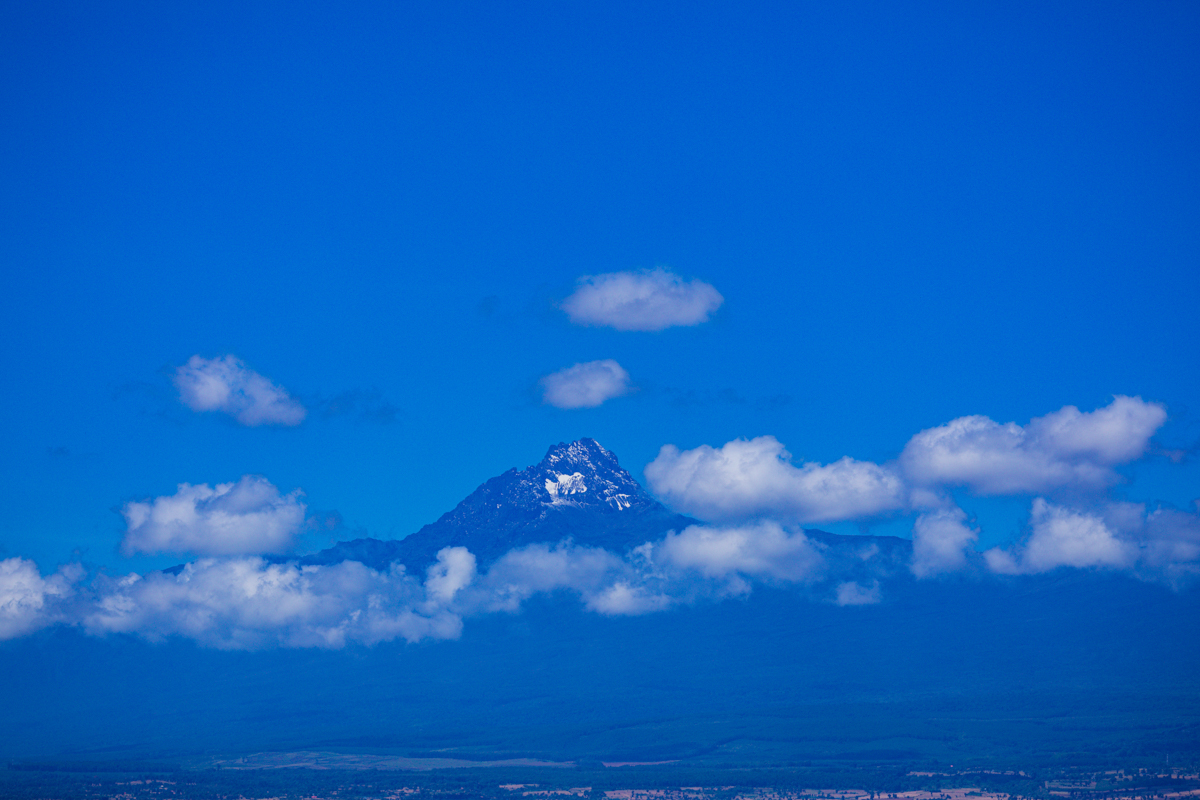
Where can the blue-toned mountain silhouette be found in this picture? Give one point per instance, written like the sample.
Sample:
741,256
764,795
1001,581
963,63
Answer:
579,491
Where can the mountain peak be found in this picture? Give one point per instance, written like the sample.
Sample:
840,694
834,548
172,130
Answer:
584,452
578,491
583,473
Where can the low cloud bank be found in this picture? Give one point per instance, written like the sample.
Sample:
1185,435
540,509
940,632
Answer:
641,301
248,602
251,603
226,384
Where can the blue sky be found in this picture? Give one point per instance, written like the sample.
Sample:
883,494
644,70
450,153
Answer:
911,214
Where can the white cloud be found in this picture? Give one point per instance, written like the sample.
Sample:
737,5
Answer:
585,385
852,593
226,384
27,600
641,301
523,572
1064,449
247,517
1063,537
1171,541
762,550
624,599
247,603
747,479
1161,544
940,540
453,570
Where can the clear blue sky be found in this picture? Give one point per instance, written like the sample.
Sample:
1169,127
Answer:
914,212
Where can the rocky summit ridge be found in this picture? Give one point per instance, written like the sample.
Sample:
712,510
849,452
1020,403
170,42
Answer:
578,491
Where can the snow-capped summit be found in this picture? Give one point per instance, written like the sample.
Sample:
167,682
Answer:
584,472
578,491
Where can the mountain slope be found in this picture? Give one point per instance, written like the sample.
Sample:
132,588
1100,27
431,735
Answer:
579,491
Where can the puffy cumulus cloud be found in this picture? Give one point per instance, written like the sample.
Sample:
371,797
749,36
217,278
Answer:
1161,544
248,603
755,478
641,301
1067,448
247,517
762,550
585,385
226,384
852,593
941,539
27,600
1063,537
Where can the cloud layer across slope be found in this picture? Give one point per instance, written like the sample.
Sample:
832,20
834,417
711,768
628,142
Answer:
753,498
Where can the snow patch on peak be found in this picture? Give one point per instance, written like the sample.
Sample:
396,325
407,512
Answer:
559,486
619,501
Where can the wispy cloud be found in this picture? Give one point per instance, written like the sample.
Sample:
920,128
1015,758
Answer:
226,384
250,516
651,300
852,593
585,385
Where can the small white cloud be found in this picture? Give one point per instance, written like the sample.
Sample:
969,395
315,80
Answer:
747,479
857,594
27,600
641,301
1065,449
453,570
762,550
940,541
226,384
247,517
624,599
585,385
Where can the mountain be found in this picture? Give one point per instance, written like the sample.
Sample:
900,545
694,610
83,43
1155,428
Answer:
579,491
